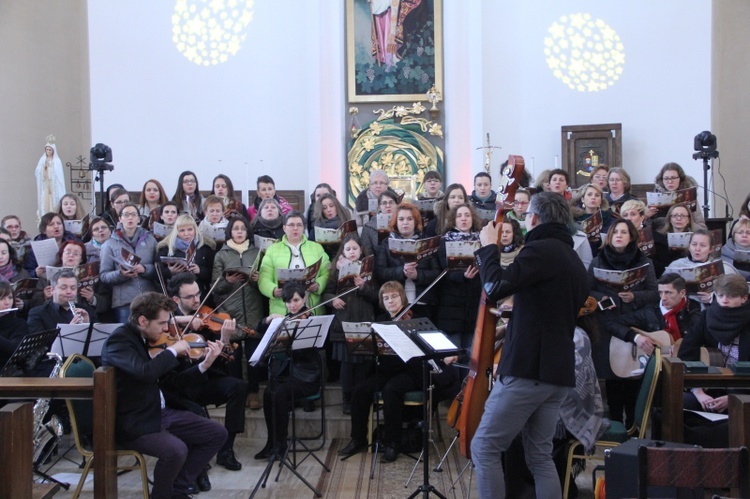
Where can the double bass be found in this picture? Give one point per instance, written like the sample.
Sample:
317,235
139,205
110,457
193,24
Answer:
479,380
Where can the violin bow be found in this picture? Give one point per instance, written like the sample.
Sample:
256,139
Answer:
408,307
163,285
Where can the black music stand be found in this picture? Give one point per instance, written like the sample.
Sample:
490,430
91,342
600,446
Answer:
285,336
425,342
361,339
30,351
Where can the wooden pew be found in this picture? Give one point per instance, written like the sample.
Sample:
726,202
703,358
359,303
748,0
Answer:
17,420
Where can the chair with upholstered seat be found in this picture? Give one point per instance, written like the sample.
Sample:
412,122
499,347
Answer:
82,422
617,432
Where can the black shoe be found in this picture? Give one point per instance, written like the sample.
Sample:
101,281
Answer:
390,454
192,489
280,448
354,447
228,460
265,452
347,408
203,482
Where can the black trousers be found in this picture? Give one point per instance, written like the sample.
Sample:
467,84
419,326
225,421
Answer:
223,390
278,399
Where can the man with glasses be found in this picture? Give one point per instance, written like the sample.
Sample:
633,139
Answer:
367,201
216,386
294,251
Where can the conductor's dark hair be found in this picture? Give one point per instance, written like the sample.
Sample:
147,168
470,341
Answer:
550,207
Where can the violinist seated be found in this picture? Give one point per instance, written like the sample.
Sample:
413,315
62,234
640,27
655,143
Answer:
394,379
216,386
152,421
288,380
58,310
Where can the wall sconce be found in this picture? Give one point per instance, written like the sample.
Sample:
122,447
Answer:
434,96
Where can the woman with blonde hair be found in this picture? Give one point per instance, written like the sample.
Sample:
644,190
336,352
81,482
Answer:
177,244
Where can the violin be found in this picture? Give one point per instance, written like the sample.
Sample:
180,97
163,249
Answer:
215,320
195,341
479,381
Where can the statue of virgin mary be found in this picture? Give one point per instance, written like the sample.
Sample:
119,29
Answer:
50,179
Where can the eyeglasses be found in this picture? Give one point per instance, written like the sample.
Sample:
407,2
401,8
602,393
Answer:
72,253
12,227
670,179
387,203
613,180
196,296
678,216
188,181
378,182
600,177
129,214
100,228
118,203
520,203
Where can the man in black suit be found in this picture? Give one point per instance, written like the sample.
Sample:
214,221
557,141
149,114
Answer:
57,310
182,441
217,387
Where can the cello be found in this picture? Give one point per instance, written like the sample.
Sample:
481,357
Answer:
479,380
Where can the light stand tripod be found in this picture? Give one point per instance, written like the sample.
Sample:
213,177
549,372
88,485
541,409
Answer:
705,155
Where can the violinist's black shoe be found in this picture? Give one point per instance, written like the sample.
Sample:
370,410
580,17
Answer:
191,490
227,459
203,482
354,447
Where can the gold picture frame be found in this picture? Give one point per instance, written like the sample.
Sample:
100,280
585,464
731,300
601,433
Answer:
393,60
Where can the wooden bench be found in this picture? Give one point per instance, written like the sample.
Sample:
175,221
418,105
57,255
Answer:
16,431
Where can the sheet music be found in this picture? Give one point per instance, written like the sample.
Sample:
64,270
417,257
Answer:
72,339
100,332
438,341
45,251
264,341
398,341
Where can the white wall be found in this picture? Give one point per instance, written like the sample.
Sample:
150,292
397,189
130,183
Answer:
252,115
280,99
662,98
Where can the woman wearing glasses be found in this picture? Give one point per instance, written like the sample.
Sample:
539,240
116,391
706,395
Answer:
672,178
387,202
679,219
118,199
738,242
100,233
520,205
187,196
128,281
618,187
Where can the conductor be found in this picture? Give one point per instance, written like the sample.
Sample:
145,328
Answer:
537,367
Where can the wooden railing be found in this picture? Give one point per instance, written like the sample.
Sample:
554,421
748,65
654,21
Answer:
16,432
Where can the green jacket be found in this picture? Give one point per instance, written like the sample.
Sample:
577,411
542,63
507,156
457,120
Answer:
278,256
247,305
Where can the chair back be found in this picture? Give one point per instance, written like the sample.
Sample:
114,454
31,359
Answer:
646,393
81,411
693,468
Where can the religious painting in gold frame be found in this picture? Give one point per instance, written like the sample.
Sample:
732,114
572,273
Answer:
393,57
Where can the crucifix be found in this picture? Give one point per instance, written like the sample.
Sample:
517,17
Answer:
488,150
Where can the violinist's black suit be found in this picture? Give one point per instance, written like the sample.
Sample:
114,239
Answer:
182,442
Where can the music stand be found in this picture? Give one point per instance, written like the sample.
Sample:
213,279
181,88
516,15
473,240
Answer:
420,340
285,336
33,347
74,338
361,339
